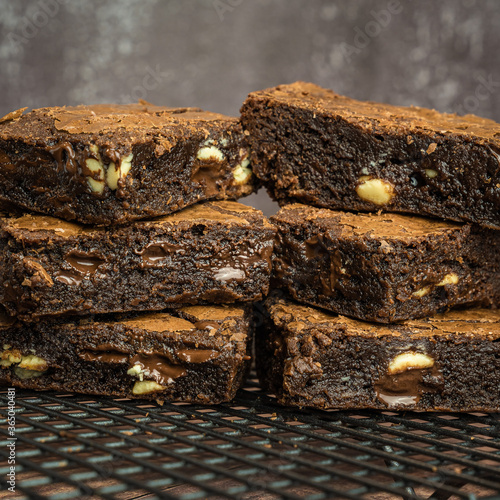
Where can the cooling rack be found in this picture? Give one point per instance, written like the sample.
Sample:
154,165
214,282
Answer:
70,446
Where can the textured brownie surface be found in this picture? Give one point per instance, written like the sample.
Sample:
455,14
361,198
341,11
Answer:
108,164
313,146
384,267
312,358
195,354
212,252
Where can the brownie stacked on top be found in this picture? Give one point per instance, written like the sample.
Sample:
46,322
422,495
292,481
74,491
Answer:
129,275
345,170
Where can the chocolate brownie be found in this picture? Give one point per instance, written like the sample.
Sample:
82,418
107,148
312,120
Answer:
448,362
384,267
196,354
212,253
316,147
108,164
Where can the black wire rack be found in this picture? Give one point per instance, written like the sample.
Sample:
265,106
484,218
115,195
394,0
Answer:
84,447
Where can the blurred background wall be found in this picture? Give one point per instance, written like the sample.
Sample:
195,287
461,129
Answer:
211,53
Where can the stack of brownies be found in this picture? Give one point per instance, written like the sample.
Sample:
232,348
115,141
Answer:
126,271
385,336
111,286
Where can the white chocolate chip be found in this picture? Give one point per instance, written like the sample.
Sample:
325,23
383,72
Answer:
229,273
33,363
96,167
114,174
146,387
422,292
24,374
95,149
9,357
136,371
26,366
242,172
449,279
210,153
409,361
126,165
377,191
429,172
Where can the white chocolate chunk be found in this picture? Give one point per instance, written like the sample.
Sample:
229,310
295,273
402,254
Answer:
25,366
422,292
229,273
242,172
24,374
449,279
409,361
146,387
136,371
126,165
33,363
377,191
96,167
210,153
9,357
114,174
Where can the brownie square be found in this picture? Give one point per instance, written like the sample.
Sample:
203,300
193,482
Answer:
211,253
384,267
310,145
198,354
447,362
109,164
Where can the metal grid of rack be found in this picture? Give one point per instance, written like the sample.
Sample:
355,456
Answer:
83,447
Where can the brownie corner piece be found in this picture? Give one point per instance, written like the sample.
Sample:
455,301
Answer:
110,164
311,358
198,354
384,267
311,145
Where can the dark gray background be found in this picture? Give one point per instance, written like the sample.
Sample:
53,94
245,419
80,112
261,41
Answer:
211,53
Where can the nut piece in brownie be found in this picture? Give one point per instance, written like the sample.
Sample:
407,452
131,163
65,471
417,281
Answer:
448,362
108,164
384,267
196,354
316,147
212,253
